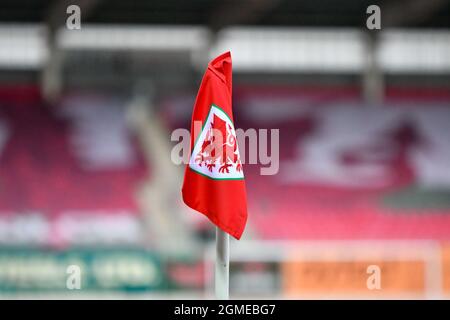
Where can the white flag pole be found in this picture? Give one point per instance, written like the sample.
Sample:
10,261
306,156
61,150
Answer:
222,264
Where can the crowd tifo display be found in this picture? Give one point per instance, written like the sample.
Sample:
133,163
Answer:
347,170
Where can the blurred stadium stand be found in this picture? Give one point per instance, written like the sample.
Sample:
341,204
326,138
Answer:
364,120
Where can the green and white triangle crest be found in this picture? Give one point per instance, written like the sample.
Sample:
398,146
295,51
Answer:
215,153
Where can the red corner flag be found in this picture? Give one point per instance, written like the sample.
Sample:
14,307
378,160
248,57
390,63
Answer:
214,181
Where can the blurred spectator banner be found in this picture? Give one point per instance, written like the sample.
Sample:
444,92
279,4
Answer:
340,269
350,277
101,270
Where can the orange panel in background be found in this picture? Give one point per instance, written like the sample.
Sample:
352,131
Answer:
350,277
446,268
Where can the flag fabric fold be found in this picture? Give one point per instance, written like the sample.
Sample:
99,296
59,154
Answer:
214,180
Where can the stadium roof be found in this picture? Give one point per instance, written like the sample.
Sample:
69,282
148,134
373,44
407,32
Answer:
217,14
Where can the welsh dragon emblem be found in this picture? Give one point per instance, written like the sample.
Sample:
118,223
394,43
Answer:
216,151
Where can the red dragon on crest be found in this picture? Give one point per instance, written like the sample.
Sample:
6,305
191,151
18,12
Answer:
219,145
